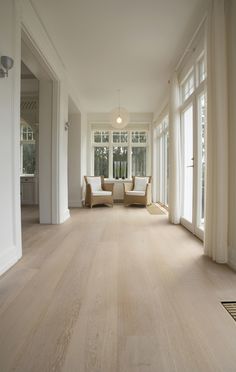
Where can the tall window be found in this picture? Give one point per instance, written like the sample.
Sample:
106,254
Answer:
120,154
139,153
28,155
163,163
101,153
193,128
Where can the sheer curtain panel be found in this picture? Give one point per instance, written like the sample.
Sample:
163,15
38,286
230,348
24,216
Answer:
216,221
174,153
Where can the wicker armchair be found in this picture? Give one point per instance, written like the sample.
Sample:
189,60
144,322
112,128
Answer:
97,192
138,192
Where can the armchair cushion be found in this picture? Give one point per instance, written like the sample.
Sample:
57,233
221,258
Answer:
135,193
140,183
95,183
101,193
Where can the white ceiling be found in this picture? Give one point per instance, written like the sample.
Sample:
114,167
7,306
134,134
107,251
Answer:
128,44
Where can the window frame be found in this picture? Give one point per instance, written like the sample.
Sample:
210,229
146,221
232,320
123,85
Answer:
129,144
200,87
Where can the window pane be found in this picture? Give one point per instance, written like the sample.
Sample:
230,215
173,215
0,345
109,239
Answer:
30,136
116,137
143,137
97,137
138,161
188,163
101,161
105,137
120,137
135,137
124,137
139,137
188,87
28,158
120,162
201,70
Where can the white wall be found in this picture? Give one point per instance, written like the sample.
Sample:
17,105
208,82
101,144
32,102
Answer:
29,86
10,228
232,131
14,15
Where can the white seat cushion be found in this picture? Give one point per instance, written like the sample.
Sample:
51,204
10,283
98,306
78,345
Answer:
95,182
135,193
140,183
101,193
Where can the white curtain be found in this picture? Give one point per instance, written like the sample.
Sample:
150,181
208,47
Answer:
174,153
216,216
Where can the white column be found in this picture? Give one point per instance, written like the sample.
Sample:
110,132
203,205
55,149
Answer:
216,218
45,151
10,217
74,160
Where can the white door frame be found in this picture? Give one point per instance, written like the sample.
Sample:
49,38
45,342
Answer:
194,101
35,50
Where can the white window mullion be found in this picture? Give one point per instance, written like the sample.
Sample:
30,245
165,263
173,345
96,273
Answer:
130,155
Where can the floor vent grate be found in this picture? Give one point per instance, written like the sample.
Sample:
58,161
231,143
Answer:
230,306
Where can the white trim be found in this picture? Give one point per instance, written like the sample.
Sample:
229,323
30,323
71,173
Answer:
8,258
16,208
189,45
34,46
66,216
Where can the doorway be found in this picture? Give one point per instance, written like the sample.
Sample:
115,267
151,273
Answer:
45,132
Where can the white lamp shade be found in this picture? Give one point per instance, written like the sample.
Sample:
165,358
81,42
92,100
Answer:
119,118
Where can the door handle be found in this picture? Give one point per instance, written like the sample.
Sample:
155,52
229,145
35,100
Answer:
190,166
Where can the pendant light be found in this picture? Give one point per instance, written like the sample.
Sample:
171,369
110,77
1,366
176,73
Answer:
119,116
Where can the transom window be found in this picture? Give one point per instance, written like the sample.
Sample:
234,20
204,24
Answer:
120,154
101,137
201,70
187,86
194,78
139,137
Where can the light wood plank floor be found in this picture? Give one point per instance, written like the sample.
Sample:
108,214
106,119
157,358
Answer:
115,290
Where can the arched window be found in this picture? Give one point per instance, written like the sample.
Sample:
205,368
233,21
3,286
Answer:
28,156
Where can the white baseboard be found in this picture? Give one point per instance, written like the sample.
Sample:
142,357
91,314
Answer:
8,258
66,215
75,204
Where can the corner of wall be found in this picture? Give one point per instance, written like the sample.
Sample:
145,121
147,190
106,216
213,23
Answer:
8,258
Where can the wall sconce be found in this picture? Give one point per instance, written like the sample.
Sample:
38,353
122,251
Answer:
67,125
7,63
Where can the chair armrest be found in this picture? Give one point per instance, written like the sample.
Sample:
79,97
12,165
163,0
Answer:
108,187
88,189
88,194
128,186
149,193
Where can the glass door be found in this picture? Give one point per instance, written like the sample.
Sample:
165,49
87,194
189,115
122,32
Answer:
193,126
188,164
